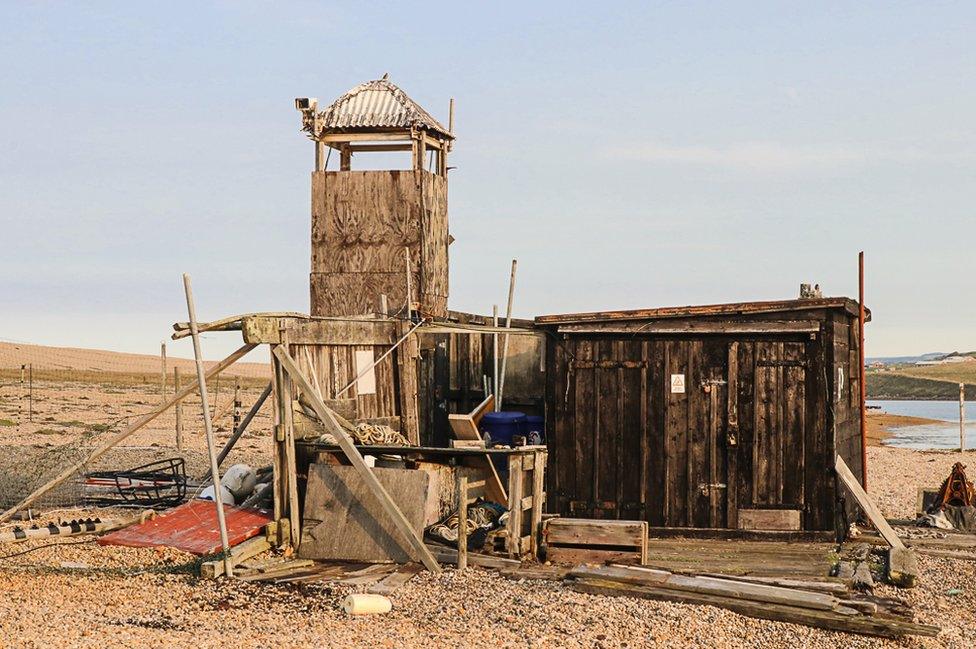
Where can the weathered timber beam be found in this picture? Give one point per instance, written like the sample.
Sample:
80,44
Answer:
415,544
230,323
307,331
767,327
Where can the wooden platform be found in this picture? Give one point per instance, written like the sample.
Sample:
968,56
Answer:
738,557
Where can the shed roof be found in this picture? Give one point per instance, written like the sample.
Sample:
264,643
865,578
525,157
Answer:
378,104
735,308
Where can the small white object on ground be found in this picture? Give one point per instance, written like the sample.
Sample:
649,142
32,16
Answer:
225,495
366,604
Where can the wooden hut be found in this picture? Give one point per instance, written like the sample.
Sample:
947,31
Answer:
723,416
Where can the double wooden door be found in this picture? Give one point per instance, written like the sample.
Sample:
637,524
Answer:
680,433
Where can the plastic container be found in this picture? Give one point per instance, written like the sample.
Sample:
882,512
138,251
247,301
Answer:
534,429
499,427
366,604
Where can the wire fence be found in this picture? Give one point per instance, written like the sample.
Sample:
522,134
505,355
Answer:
59,404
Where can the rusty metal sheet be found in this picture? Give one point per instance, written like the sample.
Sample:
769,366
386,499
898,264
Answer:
191,527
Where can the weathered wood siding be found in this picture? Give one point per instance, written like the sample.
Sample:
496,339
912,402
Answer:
334,366
361,223
753,429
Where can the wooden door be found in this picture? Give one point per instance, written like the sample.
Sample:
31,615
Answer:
779,425
600,473
695,383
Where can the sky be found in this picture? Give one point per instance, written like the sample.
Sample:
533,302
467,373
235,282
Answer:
627,154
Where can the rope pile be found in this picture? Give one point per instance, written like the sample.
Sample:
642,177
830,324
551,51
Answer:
371,435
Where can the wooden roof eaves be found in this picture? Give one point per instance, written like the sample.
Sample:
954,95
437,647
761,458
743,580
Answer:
739,308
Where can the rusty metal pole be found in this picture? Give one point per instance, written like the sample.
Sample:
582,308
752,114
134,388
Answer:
861,373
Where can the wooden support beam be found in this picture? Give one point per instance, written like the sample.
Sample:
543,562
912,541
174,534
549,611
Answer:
867,505
117,439
415,543
406,358
462,498
244,424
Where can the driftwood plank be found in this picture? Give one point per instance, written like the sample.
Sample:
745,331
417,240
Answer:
872,511
884,627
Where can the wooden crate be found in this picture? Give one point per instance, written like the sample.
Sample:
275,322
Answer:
587,540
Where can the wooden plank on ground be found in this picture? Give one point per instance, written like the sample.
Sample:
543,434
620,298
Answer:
393,581
867,505
884,627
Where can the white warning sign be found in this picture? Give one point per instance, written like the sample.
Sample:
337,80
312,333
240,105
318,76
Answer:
677,384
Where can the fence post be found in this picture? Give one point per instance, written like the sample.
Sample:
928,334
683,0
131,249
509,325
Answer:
179,410
237,405
962,417
30,392
162,383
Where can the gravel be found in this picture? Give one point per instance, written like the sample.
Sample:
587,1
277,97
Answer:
85,595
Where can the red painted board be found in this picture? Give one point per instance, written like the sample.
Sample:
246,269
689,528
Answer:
191,527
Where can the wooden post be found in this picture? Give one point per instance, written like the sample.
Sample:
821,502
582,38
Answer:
319,156
409,287
384,307
162,381
515,482
406,358
237,404
962,417
415,543
508,325
208,427
179,409
462,542
862,383
494,354
117,439
287,395
30,392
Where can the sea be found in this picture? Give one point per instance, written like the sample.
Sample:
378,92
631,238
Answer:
930,436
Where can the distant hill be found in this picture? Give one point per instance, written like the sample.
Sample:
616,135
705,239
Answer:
71,359
905,360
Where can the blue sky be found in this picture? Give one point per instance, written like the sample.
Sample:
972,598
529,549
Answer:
629,155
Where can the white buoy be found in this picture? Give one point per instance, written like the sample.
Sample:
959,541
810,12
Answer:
366,604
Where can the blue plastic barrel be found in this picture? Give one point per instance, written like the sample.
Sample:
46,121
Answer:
534,429
500,426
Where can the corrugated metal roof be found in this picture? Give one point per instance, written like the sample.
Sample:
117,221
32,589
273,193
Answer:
377,104
737,308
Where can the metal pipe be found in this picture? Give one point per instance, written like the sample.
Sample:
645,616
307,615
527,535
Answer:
861,373
508,325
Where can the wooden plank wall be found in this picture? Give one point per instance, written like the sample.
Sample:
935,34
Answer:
361,223
753,428
333,366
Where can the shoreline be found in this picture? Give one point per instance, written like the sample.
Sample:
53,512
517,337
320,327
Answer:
881,424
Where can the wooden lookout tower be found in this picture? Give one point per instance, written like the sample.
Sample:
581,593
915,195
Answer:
377,233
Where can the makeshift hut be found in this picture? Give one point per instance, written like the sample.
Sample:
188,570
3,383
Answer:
723,416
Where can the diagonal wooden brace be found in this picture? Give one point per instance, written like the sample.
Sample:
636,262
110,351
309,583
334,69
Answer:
416,548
